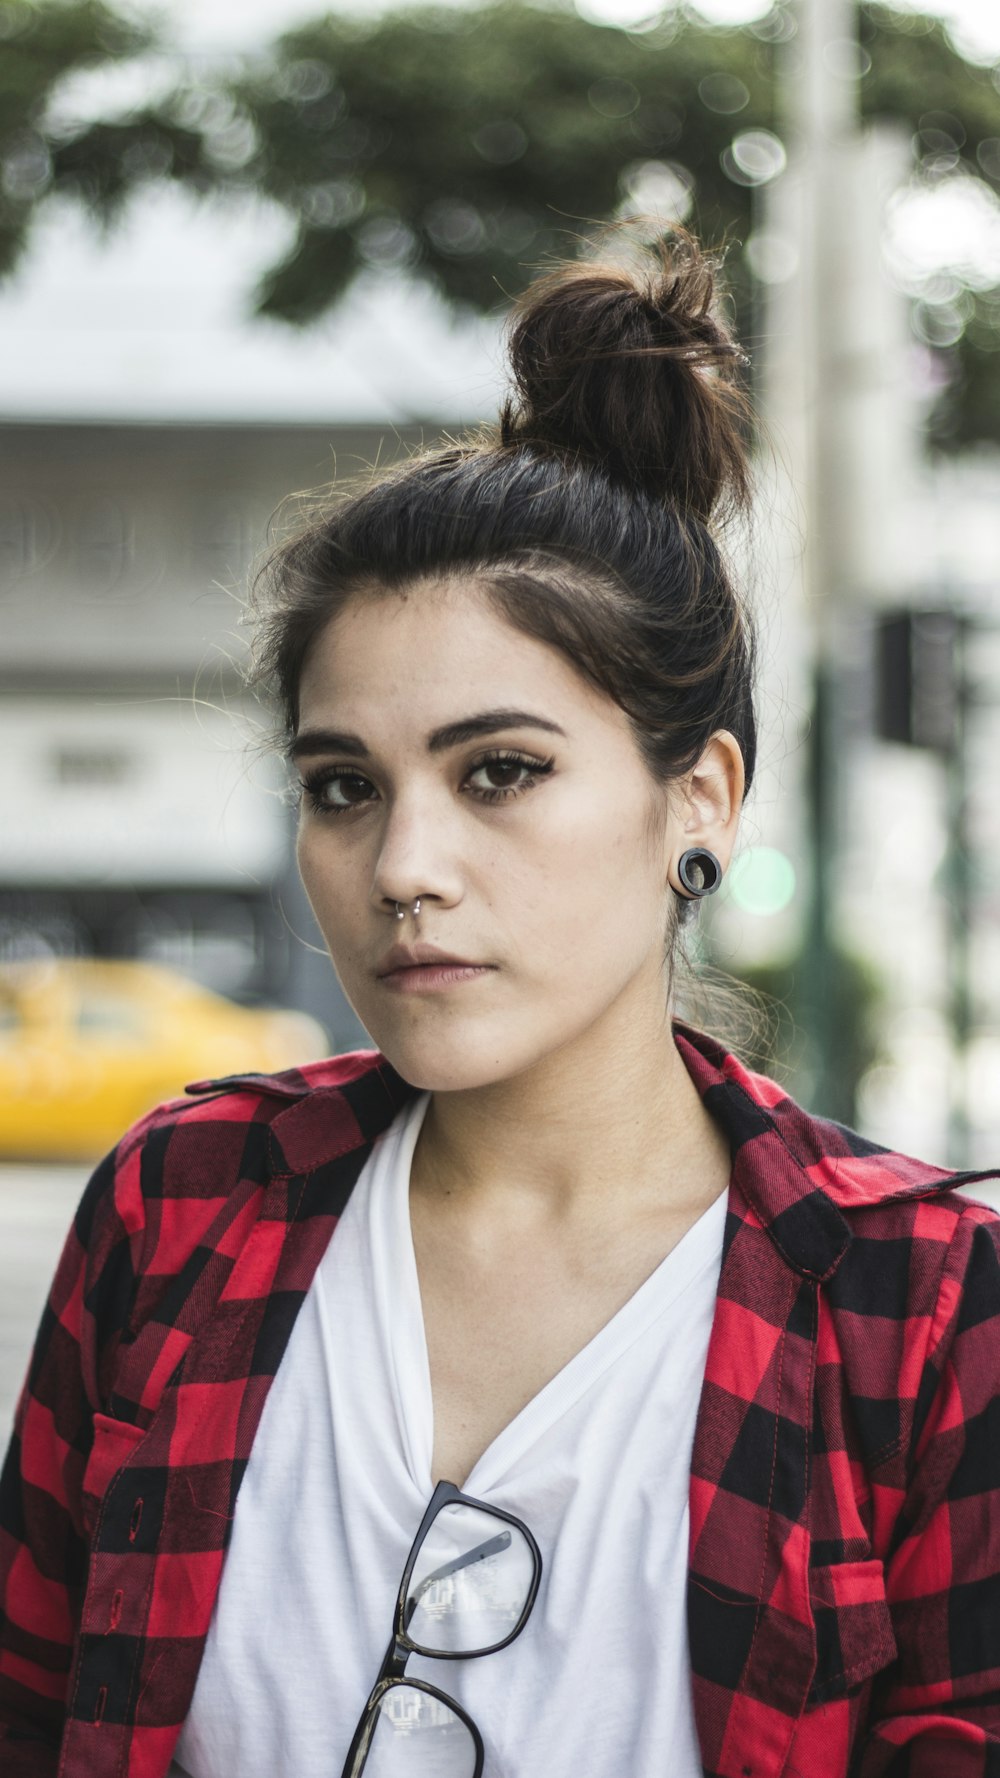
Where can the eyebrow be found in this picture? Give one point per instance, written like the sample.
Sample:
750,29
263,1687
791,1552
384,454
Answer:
453,734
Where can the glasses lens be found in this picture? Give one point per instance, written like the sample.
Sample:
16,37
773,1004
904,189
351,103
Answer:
470,1585
415,1735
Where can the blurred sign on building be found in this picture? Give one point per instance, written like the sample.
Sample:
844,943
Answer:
147,788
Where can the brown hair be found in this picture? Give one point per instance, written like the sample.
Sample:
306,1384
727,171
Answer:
585,517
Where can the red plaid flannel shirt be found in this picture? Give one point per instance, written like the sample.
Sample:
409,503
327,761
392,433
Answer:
844,1599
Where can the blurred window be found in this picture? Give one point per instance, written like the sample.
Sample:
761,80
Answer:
90,765
111,1016
104,548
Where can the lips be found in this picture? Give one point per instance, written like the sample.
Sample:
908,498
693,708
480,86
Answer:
423,955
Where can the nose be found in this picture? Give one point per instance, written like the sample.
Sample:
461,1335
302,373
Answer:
417,859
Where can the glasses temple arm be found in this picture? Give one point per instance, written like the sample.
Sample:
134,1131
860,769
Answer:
491,1547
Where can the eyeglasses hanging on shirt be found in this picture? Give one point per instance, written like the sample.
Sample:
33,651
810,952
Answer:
468,1586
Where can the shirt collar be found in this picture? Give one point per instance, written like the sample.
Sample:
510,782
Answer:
797,1173
800,1173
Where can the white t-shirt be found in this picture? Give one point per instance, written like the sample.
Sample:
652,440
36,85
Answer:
339,1476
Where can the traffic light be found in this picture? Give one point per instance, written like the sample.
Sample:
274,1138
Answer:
917,672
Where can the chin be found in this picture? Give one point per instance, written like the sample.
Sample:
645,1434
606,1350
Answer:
446,1062
434,1074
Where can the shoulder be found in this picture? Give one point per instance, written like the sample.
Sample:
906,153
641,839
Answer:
353,1095
906,1258
922,1250
837,1205
188,1179
851,1170
241,1129
900,1209
908,1218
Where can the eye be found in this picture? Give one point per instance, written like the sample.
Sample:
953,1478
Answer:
517,773
335,790
331,792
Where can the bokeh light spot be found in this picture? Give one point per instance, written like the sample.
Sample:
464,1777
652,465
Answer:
723,93
754,157
660,192
762,881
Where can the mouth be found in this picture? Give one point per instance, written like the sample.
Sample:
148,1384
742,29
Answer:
415,959
443,973
450,967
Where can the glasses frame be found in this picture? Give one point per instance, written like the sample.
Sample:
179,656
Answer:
392,1671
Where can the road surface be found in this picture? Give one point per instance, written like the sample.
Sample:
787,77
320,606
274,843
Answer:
36,1209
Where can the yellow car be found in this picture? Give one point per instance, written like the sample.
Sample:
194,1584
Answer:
86,1047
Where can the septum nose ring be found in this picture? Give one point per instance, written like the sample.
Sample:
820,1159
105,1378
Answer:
401,912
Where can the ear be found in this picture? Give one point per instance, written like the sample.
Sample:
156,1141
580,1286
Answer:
707,804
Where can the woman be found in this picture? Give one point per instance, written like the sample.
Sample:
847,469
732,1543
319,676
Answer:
645,1416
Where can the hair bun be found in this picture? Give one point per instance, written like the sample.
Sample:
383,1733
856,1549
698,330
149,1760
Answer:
636,372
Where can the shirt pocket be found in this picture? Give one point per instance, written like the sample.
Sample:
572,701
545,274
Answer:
114,1442
854,1633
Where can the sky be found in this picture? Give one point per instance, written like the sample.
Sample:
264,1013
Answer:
154,323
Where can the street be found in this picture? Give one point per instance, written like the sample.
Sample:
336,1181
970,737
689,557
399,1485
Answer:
36,1209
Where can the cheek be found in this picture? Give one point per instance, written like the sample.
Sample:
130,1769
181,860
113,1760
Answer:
305,858
596,886
321,870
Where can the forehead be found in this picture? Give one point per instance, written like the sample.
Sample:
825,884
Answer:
420,650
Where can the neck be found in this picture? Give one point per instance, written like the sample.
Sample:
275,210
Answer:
613,1118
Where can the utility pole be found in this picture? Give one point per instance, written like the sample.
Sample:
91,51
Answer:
820,106
926,700
961,909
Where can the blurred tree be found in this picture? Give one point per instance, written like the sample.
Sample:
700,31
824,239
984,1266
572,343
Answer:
953,109
469,145
465,145
101,165
39,50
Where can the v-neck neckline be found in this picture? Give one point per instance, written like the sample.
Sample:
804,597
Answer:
680,1269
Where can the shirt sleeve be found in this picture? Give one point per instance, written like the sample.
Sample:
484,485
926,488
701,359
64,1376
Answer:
43,1544
939,1709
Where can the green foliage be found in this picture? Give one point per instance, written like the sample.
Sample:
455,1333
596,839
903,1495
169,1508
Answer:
468,145
39,46
44,43
969,409
916,77
953,110
102,165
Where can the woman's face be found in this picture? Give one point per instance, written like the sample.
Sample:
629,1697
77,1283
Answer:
538,845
